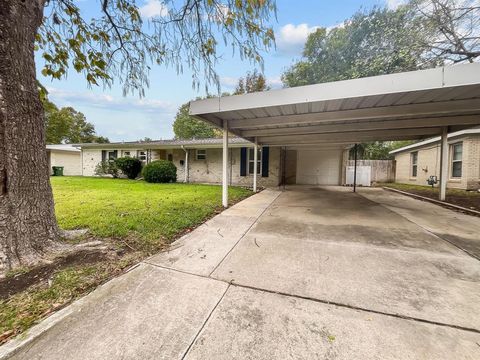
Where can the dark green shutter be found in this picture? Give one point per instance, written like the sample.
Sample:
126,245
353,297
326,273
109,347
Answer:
243,161
265,156
104,155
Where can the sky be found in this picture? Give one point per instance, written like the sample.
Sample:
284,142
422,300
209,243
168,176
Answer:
132,118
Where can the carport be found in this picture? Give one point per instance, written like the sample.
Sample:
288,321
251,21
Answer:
403,106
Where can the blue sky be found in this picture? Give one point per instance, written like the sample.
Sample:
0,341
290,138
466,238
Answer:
130,118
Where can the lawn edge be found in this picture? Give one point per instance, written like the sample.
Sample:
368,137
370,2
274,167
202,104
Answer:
437,202
18,342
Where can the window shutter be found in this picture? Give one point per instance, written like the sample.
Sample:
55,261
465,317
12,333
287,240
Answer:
265,156
243,161
104,155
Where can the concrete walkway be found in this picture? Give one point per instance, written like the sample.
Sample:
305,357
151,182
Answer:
301,274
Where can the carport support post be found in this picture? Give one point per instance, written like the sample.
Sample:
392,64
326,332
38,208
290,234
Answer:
255,165
444,163
225,165
355,169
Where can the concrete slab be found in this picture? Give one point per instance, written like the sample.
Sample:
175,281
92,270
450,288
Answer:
250,324
148,313
460,229
202,250
320,244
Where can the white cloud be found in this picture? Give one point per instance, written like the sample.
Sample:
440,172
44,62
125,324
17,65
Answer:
153,8
275,82
228,81
393,4
108,102
291,38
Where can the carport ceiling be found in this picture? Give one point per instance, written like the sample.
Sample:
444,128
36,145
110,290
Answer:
410,105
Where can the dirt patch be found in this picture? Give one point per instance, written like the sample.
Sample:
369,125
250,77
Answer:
469,202
463,198
16,283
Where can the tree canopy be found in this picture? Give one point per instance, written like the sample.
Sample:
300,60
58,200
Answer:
380,41
187,127
68,126
118,43
252,82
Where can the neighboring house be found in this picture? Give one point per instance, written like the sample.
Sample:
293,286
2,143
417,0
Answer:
200,161
417,162
68,156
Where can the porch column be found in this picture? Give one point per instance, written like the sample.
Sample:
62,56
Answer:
186,165
444,163
225,165
255,165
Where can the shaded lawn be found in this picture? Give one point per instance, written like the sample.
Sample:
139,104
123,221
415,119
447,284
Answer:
145,213
467,199
134,217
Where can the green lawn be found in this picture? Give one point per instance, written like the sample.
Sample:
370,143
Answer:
136,210
135,217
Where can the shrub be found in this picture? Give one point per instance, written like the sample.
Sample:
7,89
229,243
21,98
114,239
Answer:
160,171
107,168
131,167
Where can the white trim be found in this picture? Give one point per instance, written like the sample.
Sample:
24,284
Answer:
435,139
441,77
452,161
197,153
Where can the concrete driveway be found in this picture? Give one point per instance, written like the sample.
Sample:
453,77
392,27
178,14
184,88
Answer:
302,274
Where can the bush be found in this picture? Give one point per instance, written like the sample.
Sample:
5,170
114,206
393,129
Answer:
107,168
160,171
131,167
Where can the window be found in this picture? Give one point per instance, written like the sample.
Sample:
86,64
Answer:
112,155
457,150
251,160
201,154
142,155
413,161
170,157
126,153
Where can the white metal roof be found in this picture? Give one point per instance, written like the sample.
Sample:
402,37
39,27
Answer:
410,105
169,144
62,147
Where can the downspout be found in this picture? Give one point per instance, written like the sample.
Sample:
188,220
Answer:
186,164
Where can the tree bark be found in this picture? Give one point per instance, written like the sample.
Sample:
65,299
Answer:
28,226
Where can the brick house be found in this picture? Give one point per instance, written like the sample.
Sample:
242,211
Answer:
417,162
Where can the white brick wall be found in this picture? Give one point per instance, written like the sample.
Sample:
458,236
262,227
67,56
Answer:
200,171
71,162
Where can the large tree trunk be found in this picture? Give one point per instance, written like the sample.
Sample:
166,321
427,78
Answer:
27,220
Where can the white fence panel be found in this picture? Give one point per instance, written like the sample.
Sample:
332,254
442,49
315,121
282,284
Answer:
364,174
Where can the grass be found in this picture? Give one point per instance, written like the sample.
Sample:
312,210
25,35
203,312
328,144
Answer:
133,216
148,214
468,199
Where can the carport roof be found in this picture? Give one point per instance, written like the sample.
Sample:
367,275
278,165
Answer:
410,105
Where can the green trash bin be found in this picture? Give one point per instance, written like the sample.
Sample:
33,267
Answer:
57,170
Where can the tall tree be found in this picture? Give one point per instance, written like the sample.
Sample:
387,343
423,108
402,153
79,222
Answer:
456,25
115,44
252,82
375,42
66,125
187,127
